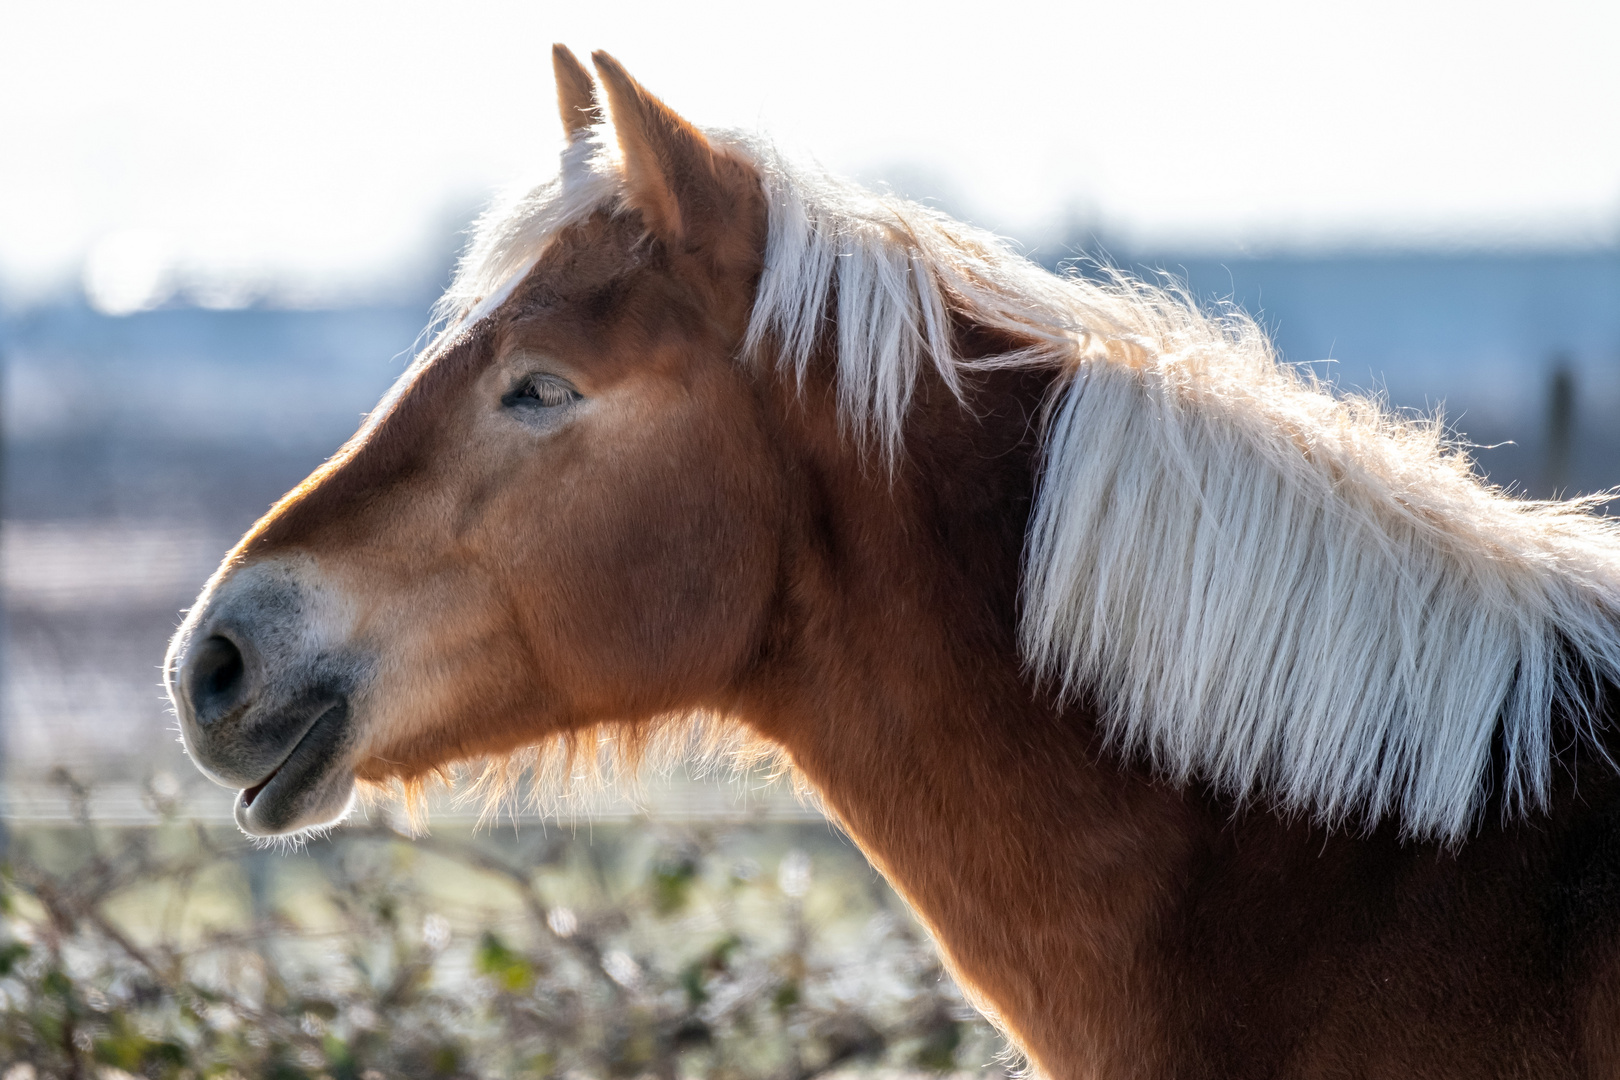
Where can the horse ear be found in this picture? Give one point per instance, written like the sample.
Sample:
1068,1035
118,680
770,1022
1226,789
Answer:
688,192
576,93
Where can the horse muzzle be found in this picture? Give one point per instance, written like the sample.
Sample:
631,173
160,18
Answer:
264,684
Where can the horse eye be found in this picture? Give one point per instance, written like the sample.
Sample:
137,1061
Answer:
540,392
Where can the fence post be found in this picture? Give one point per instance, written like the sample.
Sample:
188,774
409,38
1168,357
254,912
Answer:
1560,433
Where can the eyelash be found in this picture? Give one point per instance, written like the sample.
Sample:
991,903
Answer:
542,391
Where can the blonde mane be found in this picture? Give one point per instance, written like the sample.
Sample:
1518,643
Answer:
1291,594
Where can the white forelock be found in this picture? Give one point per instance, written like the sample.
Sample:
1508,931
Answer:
1291,594
508,238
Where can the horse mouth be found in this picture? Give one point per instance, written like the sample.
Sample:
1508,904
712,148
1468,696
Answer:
249,794
309,788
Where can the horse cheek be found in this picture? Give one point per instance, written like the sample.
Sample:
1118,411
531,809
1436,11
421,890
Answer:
682,566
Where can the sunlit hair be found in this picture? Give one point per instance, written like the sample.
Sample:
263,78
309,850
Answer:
1292,594
566,775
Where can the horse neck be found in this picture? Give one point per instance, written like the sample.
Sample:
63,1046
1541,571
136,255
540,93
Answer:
897,688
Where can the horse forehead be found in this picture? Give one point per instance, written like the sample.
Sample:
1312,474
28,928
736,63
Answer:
603,298
580,260
578,285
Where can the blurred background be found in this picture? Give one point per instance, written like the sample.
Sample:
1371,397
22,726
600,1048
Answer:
221,227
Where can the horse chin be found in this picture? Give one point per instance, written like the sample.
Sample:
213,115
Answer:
313,787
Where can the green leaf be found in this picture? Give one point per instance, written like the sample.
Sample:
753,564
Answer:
57,984
126,1048
446,1060
692,980
938,1051
10,953
509,969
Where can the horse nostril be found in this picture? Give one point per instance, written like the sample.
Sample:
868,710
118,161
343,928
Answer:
217,679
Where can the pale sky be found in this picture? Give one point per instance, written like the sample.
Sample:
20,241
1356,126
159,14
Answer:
324,146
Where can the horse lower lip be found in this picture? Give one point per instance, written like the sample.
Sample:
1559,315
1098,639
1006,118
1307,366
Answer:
251,793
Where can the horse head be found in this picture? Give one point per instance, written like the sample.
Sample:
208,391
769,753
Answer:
569,510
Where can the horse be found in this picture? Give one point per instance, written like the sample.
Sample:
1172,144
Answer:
1216,722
